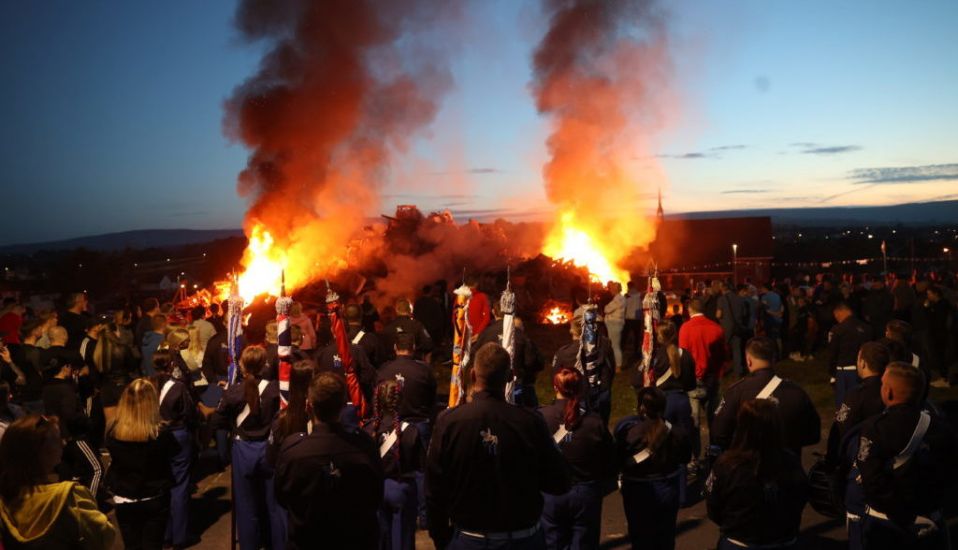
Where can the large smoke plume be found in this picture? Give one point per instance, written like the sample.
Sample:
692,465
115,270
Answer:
600,75
344,87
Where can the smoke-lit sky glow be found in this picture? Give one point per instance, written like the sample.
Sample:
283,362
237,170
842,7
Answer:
111,112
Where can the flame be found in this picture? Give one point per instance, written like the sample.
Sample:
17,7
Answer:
263,263
555,313
570,240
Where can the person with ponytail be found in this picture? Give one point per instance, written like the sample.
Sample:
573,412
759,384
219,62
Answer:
571,520
249,408
140,474
672,370
294,419
403,455
651,453
757,488
178,412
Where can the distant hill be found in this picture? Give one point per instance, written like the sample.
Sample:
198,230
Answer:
145,238
916,213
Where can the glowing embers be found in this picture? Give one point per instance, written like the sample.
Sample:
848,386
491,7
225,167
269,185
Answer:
555,313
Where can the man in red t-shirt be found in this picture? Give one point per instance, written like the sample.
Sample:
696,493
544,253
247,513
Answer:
704,340
479,313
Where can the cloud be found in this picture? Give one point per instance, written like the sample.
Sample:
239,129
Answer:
745,191
905,174
482,170
452,196
710,153
812,148
832,150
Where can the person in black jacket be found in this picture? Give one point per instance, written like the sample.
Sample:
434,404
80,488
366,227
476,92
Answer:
330,481
294,418
178,412
364,337
672,370
757,489
249,408
61,399
906,458
526,361
489,463
140,476
403,454
861,402
405,323
598,362
651,455
572,520
802,424
844,340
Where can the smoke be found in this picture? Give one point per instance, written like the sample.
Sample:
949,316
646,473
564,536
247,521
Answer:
601,75
344,87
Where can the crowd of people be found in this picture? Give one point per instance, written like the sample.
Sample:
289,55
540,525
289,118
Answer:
105,415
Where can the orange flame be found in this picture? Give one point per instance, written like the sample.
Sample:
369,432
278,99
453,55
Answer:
555,313
572,241
264,264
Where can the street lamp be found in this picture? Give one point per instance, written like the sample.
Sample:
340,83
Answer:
735,264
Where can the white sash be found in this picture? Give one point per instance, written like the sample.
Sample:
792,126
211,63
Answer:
391,439
245,412
668,373
915,360
358,337
560,434
644,454
920,430
165,390
769,388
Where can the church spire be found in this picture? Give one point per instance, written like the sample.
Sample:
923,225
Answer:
660,214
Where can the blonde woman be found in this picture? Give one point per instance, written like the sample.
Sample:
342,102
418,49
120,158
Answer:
140,475
187,358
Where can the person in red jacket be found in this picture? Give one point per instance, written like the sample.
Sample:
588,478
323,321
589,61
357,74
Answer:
479,313
704,339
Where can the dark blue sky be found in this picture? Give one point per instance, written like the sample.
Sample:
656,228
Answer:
111,112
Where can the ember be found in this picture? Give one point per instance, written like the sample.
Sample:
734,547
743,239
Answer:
555,313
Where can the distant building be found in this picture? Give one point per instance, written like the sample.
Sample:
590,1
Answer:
688,251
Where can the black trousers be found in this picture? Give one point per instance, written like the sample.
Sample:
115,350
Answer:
143,524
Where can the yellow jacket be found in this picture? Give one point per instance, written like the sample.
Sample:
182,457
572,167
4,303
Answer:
57,515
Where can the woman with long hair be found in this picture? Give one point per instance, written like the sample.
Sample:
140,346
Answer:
37,511
651,455
294,419
403,455
249,408
572,519
140,476
757,489
178,413
672,370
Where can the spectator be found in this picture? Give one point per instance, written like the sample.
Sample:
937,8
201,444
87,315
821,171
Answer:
878,306
705,342
203,328
651,455
802,425
940,336
152,341
140,476
572,519
75,319
301,320
632,331
11,319
403,452
428,311
615,321
36,512
757,489
331,480
733,316
150,309
404,323
489,463
479,313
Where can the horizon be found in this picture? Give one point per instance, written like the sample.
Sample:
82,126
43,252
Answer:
116,127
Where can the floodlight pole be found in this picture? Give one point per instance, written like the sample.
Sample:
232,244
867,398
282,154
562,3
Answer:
735,264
